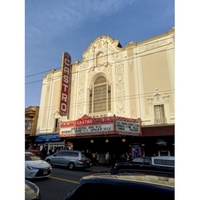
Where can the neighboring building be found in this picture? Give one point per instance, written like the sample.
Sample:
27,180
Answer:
134,82
31,119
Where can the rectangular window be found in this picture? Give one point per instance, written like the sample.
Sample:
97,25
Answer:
90,100
164,162
28,125
159,114
57,124
109,98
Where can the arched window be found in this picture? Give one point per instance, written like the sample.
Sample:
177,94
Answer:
100,96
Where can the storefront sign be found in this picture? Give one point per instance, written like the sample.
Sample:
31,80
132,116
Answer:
100,126
48,138
87,121
64,99
161,142
87,126
129,127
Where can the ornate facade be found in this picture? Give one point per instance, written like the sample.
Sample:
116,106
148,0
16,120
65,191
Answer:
134,81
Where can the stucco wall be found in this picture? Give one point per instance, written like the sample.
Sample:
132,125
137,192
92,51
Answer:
141,75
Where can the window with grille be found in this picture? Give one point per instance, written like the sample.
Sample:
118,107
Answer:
159,114
100,96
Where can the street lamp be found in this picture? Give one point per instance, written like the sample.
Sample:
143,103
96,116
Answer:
123,140
91,141
106,140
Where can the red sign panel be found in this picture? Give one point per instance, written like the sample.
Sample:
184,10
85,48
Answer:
89,126
87,121
64,99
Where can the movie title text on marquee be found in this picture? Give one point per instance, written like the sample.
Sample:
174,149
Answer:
127,127
86,126
88,129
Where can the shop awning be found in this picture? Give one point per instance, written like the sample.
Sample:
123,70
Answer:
48,138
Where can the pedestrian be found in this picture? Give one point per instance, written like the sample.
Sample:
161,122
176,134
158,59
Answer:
50,152
127,156
97,158
93,158
113,160
107,159
43,152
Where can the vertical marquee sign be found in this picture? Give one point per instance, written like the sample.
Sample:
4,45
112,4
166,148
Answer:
65,84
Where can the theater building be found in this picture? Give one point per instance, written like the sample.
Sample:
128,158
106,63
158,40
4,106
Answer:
116,99
31,118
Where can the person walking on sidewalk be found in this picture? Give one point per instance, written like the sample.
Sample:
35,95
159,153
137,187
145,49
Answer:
112,160
107,158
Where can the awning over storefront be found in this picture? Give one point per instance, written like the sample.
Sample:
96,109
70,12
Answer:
48,138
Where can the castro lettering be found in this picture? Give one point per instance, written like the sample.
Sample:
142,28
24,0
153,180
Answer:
65,85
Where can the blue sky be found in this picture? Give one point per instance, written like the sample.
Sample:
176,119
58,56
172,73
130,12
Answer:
53,27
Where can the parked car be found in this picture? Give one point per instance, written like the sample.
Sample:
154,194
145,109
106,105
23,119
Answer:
161,163
141,185
69,158
32,191
35,167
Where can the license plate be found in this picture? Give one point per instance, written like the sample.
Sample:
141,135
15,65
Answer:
44,172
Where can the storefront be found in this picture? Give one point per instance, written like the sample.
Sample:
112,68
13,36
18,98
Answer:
50,141
117,135
100,135
158,140
29,141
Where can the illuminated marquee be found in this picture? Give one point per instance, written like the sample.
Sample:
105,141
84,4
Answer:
65,83
88,126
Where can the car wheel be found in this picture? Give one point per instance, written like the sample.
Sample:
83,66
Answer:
71,166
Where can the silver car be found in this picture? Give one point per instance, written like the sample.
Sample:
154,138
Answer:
35,167
69,158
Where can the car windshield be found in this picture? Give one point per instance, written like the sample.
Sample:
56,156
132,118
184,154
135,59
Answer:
30,157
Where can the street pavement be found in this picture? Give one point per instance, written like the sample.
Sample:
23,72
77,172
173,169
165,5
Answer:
99,168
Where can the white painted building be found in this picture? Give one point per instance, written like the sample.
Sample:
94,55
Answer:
134,81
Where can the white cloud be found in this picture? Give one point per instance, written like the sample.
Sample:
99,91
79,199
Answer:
46,19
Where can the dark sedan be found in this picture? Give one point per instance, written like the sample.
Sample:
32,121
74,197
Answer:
139,185
157,163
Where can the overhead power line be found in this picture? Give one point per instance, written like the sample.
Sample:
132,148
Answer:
102,57
132,58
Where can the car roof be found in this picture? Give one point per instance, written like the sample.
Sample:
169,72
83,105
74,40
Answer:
164,157
27,152
69,151
131,177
